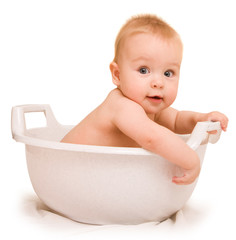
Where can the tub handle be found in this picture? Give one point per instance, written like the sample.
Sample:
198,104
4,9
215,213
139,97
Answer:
18,125
200,133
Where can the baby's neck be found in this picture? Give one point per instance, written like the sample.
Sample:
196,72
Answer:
151,116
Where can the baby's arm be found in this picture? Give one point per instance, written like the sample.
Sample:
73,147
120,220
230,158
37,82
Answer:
183,122
132,120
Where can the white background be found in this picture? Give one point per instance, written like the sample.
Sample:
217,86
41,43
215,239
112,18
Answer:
58,52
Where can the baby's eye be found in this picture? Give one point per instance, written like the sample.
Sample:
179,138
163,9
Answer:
168,73
144,70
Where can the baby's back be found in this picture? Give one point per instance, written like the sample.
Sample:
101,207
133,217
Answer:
98,127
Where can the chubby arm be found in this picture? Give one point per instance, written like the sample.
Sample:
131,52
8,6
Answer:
132,120
183,122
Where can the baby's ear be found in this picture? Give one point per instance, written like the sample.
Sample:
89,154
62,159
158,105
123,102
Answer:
115,72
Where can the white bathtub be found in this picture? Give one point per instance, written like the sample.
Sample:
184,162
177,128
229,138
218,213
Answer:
103,185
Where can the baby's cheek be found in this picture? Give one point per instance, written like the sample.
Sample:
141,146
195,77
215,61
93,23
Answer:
171,95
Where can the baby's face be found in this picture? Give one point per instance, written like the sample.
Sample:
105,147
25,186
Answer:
149,69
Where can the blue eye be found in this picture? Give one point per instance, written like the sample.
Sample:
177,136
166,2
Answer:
143,70
168,73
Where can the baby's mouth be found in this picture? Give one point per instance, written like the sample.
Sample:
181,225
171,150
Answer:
155,97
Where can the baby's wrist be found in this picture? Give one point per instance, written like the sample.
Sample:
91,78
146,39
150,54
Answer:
201,117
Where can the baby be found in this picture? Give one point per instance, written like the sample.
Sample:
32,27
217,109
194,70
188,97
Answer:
137,113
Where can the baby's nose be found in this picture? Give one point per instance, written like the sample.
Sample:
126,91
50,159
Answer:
157,82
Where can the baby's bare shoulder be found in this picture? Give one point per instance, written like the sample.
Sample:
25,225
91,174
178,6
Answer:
116,96
118,102
124,111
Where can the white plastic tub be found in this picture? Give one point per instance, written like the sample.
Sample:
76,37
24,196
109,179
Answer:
103,185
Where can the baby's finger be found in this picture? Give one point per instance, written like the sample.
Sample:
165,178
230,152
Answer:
217,116
224,124
182,180
212,132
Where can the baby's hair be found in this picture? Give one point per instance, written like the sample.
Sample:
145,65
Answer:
144,23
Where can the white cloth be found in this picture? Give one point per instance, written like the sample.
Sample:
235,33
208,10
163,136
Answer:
59,226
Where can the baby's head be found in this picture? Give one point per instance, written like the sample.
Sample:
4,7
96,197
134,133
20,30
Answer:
145,23
146,66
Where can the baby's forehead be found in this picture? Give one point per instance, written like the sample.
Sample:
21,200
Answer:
143,46
136,42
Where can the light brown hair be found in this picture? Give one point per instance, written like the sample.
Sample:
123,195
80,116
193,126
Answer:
145,23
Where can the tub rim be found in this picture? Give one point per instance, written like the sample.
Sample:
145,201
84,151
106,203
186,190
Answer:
33,141
19,133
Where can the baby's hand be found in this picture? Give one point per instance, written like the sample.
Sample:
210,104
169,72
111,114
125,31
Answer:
218,117
189,176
